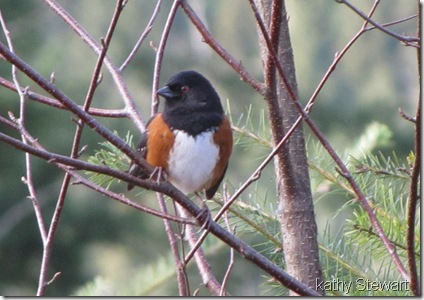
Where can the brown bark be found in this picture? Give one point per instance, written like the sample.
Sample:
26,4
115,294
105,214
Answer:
296,210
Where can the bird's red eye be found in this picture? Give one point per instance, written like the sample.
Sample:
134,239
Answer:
184,88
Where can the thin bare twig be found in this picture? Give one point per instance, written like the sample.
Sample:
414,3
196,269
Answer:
182,280
221,51
391,23
21,123
183,285
142,37
404,39
122,199
231,262
338,58
97,48
99,112
159,55
202,264
407,117
28,180
190,234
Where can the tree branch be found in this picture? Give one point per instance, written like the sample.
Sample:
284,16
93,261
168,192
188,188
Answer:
415,180
231,262
205,270
164,187
97,48
360,196
159,55
70,168
99,112
182,280
404,39
391,23
338,57
142,37
28,180
221,51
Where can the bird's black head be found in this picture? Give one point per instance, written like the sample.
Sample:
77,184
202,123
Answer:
191,101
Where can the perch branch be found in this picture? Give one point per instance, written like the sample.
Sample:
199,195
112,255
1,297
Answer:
72,106
164,187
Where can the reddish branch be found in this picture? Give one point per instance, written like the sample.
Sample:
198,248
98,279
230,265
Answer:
142,37
166,188
202,264
412,206
412,41
99,112
221,51
343,169
182,280
159,54
130,106
415,180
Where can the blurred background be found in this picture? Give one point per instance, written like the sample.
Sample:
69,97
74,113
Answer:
100,239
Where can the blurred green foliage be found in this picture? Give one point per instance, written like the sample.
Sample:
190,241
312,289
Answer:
100,238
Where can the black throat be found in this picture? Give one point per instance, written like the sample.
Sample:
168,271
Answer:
194,123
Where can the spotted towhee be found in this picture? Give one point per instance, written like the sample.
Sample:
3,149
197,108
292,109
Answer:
191,140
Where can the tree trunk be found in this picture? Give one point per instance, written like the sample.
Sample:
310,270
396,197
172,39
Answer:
296,210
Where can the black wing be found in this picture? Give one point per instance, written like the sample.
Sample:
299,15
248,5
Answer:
141,152
212,190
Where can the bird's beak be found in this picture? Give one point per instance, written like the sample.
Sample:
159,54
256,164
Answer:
165,92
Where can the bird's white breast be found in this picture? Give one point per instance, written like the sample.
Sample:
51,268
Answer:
192,161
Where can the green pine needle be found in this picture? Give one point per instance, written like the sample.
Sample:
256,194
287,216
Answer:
111,156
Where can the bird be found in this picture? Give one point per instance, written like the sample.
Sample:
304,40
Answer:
191,139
